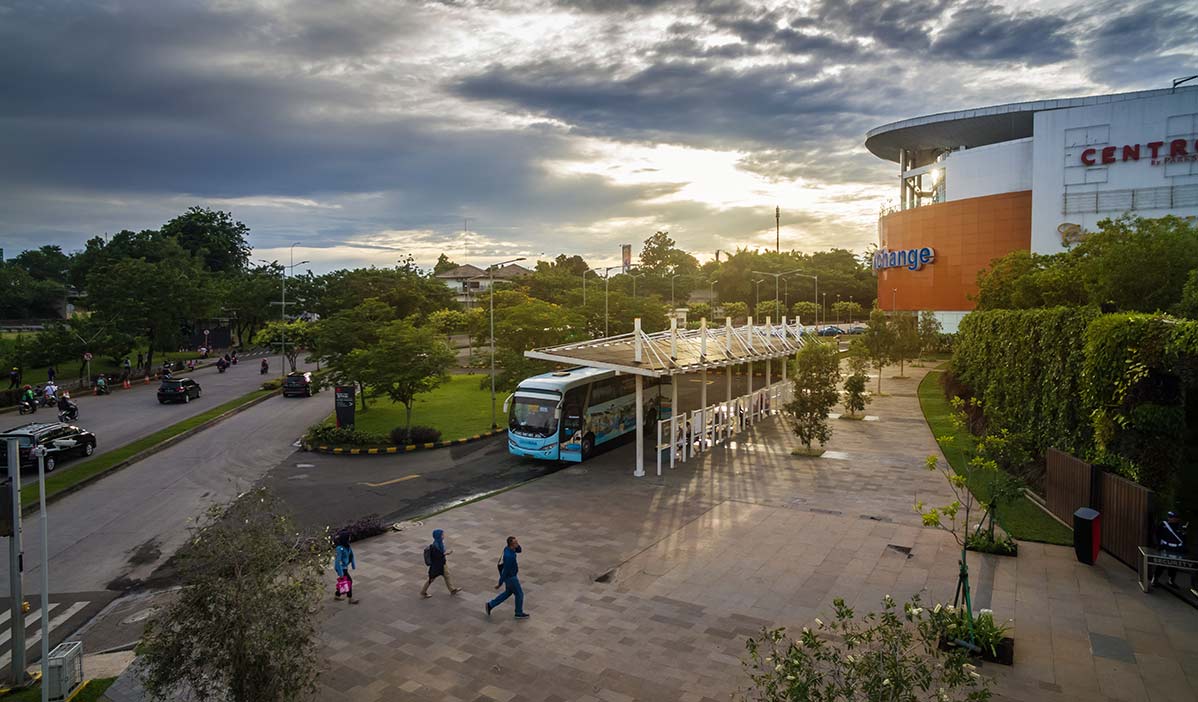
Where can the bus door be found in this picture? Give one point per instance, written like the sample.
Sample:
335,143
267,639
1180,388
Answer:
573,422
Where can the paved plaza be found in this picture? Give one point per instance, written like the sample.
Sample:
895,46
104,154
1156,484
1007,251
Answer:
647,588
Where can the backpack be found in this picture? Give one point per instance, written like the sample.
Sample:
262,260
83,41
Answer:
428,555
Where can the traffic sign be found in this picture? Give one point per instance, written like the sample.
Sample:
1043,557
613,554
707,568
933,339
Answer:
87,355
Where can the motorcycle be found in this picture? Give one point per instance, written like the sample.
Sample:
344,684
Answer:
27,407
69,415
102,388
221,366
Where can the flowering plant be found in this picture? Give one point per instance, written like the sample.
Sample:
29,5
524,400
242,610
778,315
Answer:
893,654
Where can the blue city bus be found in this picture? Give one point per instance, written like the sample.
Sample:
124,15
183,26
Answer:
564,415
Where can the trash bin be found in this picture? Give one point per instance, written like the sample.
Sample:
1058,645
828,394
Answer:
1087,534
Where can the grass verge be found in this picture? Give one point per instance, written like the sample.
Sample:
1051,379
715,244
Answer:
62,480
90,693
1022,519
459,409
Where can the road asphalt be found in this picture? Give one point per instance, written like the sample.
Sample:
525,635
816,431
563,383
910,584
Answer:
114,533
127,415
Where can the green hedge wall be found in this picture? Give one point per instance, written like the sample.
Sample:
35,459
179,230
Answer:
1026,367
1109,388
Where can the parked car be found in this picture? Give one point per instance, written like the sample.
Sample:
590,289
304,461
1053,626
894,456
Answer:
60,440
859,329
297,384
178,390
830,331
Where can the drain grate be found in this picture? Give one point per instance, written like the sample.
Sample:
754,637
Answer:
905,550
606,577
876,518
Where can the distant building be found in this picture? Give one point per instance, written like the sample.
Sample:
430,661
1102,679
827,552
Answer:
467,282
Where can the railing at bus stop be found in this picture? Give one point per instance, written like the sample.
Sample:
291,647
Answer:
716,423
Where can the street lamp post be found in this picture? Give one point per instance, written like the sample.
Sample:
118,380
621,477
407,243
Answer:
584,286
491,284
894,301
606,277
824,307
634,276
837,306
816,279
672,304
711,292
777,277
757,298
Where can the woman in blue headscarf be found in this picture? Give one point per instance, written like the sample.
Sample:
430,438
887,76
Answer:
435,555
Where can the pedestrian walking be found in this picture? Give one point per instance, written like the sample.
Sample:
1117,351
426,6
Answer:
140,360
508,569
14,378
1171,539
434,558
343,562
51,372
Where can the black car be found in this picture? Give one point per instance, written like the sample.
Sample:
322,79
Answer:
298,385
60,441
178,390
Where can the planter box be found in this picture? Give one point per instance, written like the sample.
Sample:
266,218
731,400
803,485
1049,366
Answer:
1004,652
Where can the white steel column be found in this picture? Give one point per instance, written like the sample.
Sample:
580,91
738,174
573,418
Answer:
703,384
640,427
785,361
674,417
728,377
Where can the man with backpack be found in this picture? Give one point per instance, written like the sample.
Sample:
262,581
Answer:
434,558
508,569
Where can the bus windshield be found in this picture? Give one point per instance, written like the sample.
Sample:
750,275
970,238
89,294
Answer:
533,416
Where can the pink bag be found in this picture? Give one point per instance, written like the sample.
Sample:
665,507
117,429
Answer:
343,585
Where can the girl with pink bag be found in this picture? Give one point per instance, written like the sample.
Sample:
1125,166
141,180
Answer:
343,562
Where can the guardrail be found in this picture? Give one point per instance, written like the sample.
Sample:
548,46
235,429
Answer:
700,430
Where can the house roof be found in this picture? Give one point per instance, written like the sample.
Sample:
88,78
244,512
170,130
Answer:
466,271
512,270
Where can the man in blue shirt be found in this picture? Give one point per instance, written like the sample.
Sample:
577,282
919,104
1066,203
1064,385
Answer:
508,568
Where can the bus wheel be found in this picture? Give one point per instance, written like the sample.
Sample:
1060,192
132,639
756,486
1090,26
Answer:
588,446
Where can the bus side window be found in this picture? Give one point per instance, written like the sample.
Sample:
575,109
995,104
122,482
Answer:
572,410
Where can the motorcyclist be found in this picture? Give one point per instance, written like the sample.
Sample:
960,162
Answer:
66,408
29,398
233,360
221,365
102,385
51,393
265,368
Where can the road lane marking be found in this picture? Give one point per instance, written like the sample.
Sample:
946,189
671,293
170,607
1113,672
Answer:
392,482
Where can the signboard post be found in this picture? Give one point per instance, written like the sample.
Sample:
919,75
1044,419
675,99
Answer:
87,356
343,404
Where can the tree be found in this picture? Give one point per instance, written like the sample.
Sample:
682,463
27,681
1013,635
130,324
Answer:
929,331
1189,297
337,336
661,258
447,322
405,361
698,311
879,341
153,296
45,263
443,264
806,312
213,236
735,310
292,338
855,397
847,310
907,341
24,297
250,296
243,627
768,309
815,392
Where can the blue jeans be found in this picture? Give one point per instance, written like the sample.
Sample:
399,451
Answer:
512,587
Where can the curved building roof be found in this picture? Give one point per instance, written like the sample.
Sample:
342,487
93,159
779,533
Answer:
928,136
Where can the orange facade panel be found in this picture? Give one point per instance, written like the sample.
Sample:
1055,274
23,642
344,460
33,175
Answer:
966,235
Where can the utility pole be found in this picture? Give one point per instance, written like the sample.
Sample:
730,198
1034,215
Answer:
777,230
491,276
15,563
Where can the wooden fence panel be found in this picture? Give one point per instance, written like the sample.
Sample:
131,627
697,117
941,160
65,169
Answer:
1067,484
1126,510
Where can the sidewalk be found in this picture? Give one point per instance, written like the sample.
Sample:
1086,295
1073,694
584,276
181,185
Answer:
692,563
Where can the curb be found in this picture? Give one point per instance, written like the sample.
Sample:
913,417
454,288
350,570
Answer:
150,451
390,450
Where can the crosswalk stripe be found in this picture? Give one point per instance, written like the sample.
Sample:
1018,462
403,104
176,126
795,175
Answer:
54,623
34,616
4,616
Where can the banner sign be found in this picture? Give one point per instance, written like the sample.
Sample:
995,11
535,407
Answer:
626,256
911,259
343,403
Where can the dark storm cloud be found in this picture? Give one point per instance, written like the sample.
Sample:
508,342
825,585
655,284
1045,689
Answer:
681,101
1144,39
986,32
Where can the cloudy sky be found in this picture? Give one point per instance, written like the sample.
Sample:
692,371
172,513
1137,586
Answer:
367,130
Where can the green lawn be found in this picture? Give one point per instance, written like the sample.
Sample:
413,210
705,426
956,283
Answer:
459,408
1021,519
71,474
90,693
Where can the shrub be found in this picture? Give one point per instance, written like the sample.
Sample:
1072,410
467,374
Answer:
370,525
342,436
400,436
272,384
985,542
887,655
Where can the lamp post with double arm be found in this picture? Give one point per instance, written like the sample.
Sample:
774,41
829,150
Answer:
491,285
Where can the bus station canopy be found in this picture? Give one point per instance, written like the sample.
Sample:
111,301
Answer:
676,351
